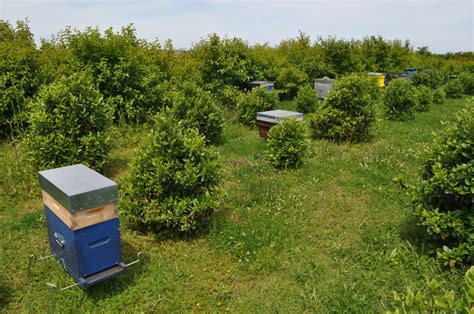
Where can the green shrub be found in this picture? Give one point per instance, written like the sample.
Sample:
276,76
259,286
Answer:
443,197
173,179
68,125
306,101
467,81
431,77
435,298
454,89
256,100
127,71
424,98
197,109
348,112
228,96
439,96
287,144
400,100
19,75
289,81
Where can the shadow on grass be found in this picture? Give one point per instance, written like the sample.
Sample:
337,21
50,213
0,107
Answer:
115,166
5,293
410,231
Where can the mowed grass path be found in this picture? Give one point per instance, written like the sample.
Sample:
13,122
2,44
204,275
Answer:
336,235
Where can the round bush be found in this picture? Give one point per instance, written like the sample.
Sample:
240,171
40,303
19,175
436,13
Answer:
348,112
173,180
424,99
256,100
306,101
439,96
68,125
443,197
198,110
400,100
287,145
431,77
289,80
467,81
454,89
228,96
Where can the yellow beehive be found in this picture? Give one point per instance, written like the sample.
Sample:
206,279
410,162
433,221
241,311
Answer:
379,77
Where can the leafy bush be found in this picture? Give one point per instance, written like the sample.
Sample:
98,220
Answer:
400,100
467,81
68,125
287,144
435,299
19,75
173,180
228,96
424,98
256,100
454,89
224,62
443,197
431,77
439,96
306,100
289,81
198,110
348,112
127,71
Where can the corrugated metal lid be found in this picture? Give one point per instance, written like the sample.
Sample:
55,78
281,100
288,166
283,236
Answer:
274,115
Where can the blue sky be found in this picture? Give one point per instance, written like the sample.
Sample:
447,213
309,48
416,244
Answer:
442,25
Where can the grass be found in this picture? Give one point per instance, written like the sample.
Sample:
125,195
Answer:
336,235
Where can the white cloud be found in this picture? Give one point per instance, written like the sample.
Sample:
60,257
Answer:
441,25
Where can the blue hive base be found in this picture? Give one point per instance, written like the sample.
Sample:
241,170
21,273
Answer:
90,255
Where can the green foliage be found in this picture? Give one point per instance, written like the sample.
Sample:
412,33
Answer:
341,56
197,109
306,101
431,77
348,112
443,197
289,80
19,75
435,298
400,100
287,145
424,98
454,89
256,100
224,62
439,96
228,96
128,71
467,81
173,179
68,125
381,55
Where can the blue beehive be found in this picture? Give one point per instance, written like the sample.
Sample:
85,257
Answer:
83,225
410,72
268,85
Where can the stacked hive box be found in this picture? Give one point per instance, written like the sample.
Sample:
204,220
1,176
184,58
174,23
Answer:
322,86
267,119
83,225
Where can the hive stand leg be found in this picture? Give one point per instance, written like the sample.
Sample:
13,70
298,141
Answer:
33,258
140,254
52,289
